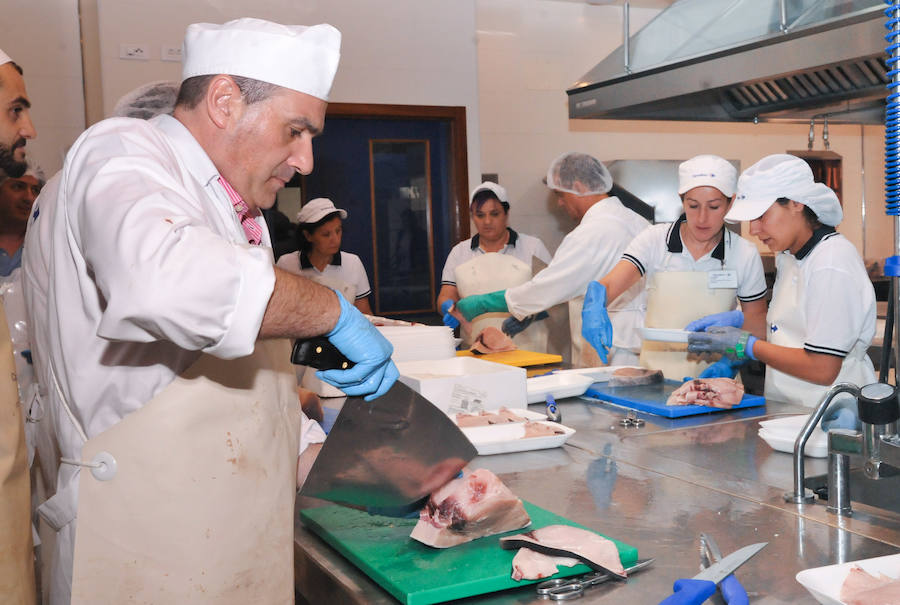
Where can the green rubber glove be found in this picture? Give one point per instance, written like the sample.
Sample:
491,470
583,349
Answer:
473,306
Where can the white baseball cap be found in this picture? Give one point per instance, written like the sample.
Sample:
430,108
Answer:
298,57
4,58
707,171
782,176
497,190
315,210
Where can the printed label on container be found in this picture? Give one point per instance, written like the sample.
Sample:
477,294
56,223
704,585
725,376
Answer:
464,399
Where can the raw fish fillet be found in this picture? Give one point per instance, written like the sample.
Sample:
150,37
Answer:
531,565
492,340
566,541
476,505
501,416
541,429
714,392
632,377
862,588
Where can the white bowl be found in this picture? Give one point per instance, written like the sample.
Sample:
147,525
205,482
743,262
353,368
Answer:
824,583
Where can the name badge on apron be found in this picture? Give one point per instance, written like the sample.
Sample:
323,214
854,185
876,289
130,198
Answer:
722,279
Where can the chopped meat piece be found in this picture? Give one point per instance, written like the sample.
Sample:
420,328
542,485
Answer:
467,420
715,392
473,506
509,415
531,565
541,429
632,377
591,549
862,588
492,340
501,416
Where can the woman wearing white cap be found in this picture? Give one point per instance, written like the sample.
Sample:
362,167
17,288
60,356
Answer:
694,267
821,319
490,213
320,257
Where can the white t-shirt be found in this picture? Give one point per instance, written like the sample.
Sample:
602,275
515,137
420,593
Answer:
659,248
344,267
520,245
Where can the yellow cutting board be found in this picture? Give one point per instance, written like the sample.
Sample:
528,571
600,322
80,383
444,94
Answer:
518,358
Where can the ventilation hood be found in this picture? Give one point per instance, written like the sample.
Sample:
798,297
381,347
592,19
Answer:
745,60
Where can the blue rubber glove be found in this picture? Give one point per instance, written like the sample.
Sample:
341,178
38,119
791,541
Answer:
596,328
842,414
733,343
512,326
724,368
735,319
473,306
449,320
361,343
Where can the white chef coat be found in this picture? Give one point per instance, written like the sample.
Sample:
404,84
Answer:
344,267
519,245
586,254
659,248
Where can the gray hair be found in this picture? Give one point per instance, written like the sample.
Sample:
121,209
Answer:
252,91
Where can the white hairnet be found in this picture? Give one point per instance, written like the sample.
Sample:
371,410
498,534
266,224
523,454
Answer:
572,167
148,101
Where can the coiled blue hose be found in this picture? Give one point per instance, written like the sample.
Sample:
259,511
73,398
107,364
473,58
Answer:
892,112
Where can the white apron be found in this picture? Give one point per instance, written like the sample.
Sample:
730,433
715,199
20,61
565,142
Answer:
17,585
583,354
676,298
787,315
200,506
491,272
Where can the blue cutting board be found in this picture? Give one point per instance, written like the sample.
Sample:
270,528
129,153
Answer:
651,398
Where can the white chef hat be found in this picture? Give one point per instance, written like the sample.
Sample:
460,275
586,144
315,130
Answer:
298,57
4,58
315,210
707,171
497,190
783,175
573,166
148,100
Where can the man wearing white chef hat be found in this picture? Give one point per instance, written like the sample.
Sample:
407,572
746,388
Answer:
821,318
160,326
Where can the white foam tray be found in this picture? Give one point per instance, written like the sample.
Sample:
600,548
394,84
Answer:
598,373
557,385
781,433
664,335
824,583
509,437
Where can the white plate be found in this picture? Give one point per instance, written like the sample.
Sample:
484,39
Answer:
824,583
665,335
558,385
781,433
598,374
506,438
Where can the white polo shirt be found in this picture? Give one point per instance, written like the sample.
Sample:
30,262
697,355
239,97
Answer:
520,245
344,267
659,249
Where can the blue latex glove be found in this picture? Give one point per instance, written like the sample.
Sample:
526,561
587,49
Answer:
449,320
735,319
842,414
688,591
478,304
361,343
724,368
596,328
512,326
733,343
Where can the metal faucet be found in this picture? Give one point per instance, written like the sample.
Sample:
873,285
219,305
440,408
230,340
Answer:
801,495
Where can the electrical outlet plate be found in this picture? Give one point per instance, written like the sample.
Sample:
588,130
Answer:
134,52
171,53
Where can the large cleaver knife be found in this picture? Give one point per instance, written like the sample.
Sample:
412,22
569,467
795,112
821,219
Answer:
387,453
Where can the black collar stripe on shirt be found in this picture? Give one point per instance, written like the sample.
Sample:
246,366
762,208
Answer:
513,238
305,264
675,245
818,236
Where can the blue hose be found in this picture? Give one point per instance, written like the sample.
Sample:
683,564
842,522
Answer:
892,112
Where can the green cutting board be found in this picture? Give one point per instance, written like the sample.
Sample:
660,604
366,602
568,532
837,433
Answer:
419,575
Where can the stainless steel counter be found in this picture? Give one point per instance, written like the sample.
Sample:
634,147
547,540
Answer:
656,487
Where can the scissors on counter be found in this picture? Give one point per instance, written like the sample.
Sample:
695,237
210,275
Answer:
693,591
564,589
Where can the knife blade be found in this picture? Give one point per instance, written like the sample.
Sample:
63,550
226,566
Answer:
390,452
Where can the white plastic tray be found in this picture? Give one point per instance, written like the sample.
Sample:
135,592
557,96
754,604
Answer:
824,583
557,385
508,437
665,335
781,433
598,374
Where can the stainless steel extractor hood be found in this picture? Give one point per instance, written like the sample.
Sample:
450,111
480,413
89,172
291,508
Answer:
745,60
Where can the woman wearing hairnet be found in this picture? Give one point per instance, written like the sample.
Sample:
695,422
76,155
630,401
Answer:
581,184
695,255
821,319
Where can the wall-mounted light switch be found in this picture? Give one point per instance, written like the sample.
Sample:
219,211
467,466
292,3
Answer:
171,53
140,52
